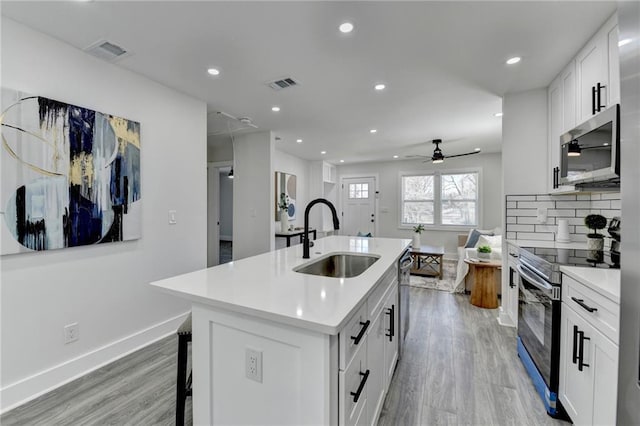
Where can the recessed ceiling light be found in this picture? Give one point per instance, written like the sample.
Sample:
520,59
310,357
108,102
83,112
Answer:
477,149
346,27
323,152
213,71
275,109
395,156
373,131
342,161
498,114
624,42
299,140
514,60
379,86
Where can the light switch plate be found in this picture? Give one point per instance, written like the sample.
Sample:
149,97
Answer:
172,217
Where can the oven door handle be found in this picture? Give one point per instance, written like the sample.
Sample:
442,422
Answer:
537,282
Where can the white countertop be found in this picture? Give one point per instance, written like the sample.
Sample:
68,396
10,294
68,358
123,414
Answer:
266,286
604,281
549,244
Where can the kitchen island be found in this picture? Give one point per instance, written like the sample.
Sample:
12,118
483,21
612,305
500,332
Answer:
276,346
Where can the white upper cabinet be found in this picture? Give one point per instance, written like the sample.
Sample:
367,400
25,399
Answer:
587,85
598,79
562,104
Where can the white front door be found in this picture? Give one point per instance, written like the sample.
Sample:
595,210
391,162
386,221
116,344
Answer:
213,215
358,206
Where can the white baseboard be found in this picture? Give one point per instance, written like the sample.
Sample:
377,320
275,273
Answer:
22,391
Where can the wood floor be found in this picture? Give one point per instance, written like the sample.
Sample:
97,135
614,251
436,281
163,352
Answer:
459,367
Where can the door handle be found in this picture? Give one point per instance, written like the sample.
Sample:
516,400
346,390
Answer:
575,344
599,88
511,280
593,100
392,325
581,363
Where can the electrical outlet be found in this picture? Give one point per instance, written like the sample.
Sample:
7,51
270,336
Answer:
71,333
172,217
253,364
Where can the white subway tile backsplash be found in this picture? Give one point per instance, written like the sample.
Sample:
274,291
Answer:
521,212
562,213
522,221
573,204
540,236
536,204
518,228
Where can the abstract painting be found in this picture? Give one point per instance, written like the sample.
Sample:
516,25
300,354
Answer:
286,189
70,175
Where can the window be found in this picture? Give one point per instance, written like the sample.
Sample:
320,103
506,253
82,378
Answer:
440,199
358,190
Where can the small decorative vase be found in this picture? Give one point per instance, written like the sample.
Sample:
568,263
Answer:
484,256
416,240
284,222
595,243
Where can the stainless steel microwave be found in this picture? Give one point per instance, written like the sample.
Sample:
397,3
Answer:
591,152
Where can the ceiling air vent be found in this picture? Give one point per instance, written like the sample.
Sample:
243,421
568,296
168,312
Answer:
283,83
107,51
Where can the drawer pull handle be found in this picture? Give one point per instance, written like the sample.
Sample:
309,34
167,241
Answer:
363,381
365,325
584,305
392,326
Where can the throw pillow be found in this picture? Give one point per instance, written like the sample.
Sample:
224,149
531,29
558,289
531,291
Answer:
495,242
474,234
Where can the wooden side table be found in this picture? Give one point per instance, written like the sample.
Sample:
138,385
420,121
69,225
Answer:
427,261
484,293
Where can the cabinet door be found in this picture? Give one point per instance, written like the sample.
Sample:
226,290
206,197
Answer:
376,382
512,293
614,66
591,65
604,361
556,120
576,387
569,101
392,334
352,408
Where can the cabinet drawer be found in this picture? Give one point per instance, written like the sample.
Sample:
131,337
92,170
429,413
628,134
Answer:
350,381
357,326
376,298
605,316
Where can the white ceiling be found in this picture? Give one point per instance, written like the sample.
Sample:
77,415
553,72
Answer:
443,63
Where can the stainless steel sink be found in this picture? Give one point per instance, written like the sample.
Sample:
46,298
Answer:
339,265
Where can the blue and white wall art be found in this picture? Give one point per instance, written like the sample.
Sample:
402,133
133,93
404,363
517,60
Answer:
70,175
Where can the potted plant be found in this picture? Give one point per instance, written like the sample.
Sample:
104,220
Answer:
283,206
417,230
484,253
595,222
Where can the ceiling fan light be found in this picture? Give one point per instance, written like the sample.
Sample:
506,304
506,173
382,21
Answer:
437,160
574,149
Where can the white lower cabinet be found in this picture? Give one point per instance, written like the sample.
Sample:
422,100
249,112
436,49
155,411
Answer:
368,355
588,365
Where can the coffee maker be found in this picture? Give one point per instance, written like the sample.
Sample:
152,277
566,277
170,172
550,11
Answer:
614,251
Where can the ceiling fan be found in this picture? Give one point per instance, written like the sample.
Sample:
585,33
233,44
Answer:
438,156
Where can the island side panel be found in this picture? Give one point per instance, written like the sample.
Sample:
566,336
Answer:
296,371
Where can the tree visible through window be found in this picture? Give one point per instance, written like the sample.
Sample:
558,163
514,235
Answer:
358,190
440,199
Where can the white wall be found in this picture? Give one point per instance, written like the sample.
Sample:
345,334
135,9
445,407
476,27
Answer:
524,142
226,207
389,187
103,287
253,192
283,162
219,148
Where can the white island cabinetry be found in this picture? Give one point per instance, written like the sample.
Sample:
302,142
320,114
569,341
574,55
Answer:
326,347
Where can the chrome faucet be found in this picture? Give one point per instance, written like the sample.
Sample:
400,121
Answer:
305,240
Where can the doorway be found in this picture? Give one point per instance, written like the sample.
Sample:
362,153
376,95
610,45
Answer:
220,213
359,205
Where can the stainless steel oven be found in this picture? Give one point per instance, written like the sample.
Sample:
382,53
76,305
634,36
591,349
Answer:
404,268
539,308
